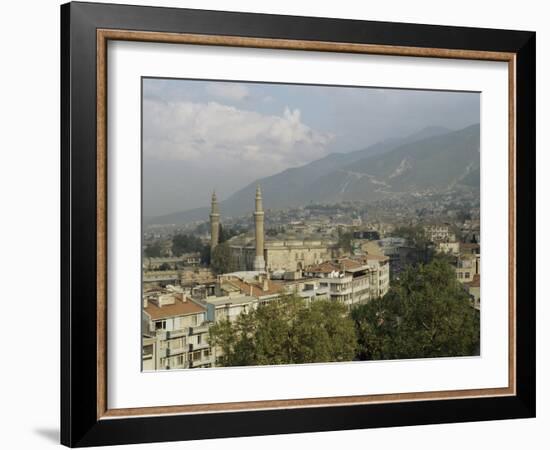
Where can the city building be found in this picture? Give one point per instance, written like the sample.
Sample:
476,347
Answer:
188,276
440,233
175,331
369,235
286,251
448,248
171,262
290,251
473,288
398,251
467,267
352,280
468,262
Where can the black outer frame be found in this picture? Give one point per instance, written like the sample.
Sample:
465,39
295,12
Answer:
79,423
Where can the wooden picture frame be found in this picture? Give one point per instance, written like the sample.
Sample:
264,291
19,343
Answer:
86,418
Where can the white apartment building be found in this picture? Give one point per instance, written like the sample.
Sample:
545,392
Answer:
440,233
175,332
353,280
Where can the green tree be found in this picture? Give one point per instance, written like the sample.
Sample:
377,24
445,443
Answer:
344,241
165,266
184,243
271,232
226,234
286,331
221,260
205,255
425,314
222,236
153,250
417,239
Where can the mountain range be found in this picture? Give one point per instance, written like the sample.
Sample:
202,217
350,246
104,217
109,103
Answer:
435,158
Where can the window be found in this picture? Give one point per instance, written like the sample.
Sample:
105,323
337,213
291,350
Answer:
199,339
180,360
195,320
197,355
206,353
160,325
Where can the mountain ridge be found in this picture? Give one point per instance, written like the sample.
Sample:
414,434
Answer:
432,158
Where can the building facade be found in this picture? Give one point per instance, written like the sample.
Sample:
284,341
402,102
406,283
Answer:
352,280
175,331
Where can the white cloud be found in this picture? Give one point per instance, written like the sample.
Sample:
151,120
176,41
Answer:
228,91
220,136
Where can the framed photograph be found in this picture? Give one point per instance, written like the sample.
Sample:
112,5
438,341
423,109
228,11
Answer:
276,224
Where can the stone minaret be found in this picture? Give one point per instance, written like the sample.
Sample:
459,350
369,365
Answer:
259,262
214,222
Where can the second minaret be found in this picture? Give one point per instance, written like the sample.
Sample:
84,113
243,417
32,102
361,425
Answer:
214,223
259,262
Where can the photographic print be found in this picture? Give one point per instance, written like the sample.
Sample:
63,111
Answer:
296,224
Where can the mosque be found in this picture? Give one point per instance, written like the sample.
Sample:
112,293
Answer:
289,252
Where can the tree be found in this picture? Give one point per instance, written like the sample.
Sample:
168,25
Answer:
414,234
344,241
417,238
222,237
184,243
271,232
153,250
425,314
286,331
226,234
221,260
463,215
205,255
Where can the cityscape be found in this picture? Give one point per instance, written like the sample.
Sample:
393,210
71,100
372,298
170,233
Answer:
371,254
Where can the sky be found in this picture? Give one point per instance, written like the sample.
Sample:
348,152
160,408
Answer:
199,135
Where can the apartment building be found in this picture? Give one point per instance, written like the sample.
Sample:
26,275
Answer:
175,332
440,233
352,280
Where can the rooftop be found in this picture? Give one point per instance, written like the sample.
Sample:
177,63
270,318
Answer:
256,289
230,299
178,308
475,282
347,265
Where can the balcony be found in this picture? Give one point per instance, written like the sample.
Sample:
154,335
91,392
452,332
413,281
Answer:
177,333
167,352
199,329
201,362
202,346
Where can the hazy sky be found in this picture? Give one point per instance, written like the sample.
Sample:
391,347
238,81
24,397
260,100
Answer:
203,134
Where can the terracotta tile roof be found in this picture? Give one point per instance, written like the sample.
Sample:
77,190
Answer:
475,282
273,287
324,267
179,308
350,264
